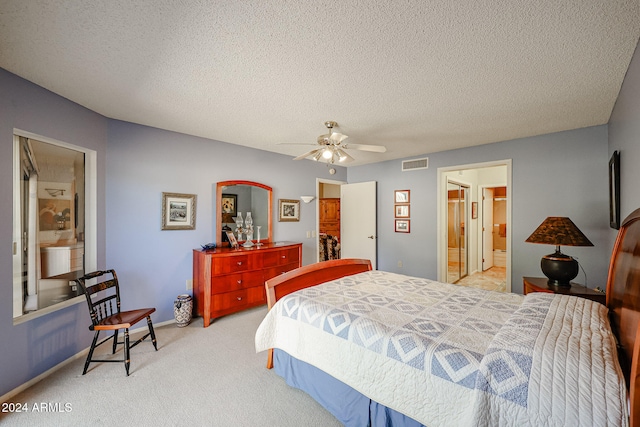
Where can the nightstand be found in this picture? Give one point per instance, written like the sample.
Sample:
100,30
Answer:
539,284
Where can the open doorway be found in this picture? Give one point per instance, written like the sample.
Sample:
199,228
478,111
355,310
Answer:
348,220
474,225
328,239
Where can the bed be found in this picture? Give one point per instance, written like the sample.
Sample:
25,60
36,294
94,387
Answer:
378,348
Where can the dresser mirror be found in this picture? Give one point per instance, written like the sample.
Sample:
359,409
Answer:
233,197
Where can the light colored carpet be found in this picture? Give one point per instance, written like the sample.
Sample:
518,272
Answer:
199,377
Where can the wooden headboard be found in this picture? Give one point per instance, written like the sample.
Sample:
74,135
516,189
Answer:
623,301
310,275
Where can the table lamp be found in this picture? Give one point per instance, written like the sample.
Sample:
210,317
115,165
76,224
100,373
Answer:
558,267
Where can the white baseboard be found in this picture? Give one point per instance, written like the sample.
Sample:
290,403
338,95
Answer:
79,355
43,375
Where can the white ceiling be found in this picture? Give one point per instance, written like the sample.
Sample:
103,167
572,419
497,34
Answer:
416,76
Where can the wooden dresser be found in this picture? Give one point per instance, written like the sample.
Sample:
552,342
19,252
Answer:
228,280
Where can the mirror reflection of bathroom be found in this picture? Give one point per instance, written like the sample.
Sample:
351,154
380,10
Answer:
51,202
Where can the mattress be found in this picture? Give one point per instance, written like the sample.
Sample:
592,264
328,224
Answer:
446,355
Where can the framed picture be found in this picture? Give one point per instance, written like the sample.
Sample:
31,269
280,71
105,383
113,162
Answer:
289,210
229,204
474,210
402,196
178,211
402,225
402,211
614,190
233,242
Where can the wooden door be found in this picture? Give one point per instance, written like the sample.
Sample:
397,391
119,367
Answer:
329,217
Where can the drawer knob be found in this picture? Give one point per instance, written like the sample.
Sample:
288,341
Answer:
239,282
284,256
239,298
239,262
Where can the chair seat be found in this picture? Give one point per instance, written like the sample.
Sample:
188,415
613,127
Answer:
124,319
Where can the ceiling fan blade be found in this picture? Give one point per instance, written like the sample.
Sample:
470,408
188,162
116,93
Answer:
305,155
364,147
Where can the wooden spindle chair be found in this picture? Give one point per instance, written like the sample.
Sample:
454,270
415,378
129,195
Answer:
106,315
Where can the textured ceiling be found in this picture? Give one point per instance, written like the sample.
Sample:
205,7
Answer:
415,76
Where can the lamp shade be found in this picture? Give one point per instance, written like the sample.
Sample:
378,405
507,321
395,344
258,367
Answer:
556,230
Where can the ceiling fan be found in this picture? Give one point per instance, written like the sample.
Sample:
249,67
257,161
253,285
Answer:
331,147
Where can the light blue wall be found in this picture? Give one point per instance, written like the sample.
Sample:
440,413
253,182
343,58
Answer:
143,162
561,174
624,135
33,347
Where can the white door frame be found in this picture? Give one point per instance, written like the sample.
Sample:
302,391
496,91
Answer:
442,213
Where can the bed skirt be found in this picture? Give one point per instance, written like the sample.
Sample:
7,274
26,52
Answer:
350,407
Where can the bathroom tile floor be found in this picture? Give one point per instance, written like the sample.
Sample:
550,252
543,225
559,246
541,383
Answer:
494,279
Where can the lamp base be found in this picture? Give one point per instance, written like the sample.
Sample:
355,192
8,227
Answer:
561,269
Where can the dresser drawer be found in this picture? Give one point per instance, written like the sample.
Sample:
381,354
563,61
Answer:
233,282
238,299
282,257
232,264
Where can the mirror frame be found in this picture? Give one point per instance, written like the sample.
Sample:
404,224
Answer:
220,185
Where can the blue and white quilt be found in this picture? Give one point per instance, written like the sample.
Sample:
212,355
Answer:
447,355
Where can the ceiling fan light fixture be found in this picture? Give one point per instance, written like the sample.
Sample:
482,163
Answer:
331,147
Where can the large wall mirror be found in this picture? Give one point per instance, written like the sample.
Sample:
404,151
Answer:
235,197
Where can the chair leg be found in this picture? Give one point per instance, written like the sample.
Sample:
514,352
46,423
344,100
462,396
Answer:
90,355
115,341
127,360
153,334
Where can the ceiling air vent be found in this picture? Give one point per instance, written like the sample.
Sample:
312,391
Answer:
411,165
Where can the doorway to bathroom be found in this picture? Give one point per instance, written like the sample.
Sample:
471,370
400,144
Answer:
474,217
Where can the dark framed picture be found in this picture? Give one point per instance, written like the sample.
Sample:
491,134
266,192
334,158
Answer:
614,190
178,211
289,210
402,225
233,242
402,211
229,204
402,196
474,210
